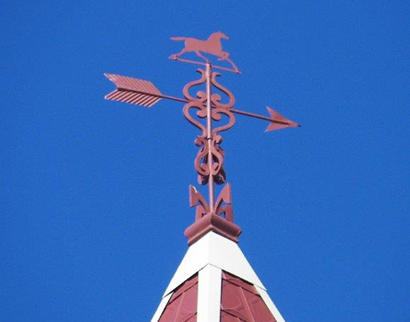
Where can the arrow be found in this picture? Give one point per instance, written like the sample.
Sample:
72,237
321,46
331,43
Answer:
136,91
277,121
141,92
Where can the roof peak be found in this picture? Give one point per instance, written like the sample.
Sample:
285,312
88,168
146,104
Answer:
214,280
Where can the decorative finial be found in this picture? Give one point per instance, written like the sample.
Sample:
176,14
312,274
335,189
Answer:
204,110
212,46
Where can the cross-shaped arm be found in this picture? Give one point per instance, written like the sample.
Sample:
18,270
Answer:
145,93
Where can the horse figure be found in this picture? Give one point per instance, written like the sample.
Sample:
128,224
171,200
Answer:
211,46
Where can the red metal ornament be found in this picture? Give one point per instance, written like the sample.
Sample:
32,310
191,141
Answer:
212,46
281,121
216,216
134,91
204,109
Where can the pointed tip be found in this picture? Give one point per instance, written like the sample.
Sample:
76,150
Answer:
279,121
109,76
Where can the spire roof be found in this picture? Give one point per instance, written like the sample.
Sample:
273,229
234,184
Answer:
215,282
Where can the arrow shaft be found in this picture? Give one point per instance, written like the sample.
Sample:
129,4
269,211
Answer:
257,116
174,98
184,100
233,110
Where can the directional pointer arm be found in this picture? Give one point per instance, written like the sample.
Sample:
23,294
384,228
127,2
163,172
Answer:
144,93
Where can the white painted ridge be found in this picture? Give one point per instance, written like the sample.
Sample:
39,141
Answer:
161,307
213,249
209,294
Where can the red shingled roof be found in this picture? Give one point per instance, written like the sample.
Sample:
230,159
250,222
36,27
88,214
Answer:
240,302
183,303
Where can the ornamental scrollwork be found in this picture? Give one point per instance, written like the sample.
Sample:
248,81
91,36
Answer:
195,112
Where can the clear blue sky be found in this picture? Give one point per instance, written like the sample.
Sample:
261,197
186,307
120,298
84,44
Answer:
94,196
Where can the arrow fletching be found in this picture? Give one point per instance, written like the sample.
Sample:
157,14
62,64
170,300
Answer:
278,121
134,91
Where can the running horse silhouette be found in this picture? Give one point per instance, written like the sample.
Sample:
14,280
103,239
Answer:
211,46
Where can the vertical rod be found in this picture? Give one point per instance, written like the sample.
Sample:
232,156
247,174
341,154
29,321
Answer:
209,135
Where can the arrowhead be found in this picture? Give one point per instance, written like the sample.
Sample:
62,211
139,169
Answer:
279,121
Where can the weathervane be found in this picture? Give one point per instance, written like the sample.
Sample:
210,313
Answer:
203,110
